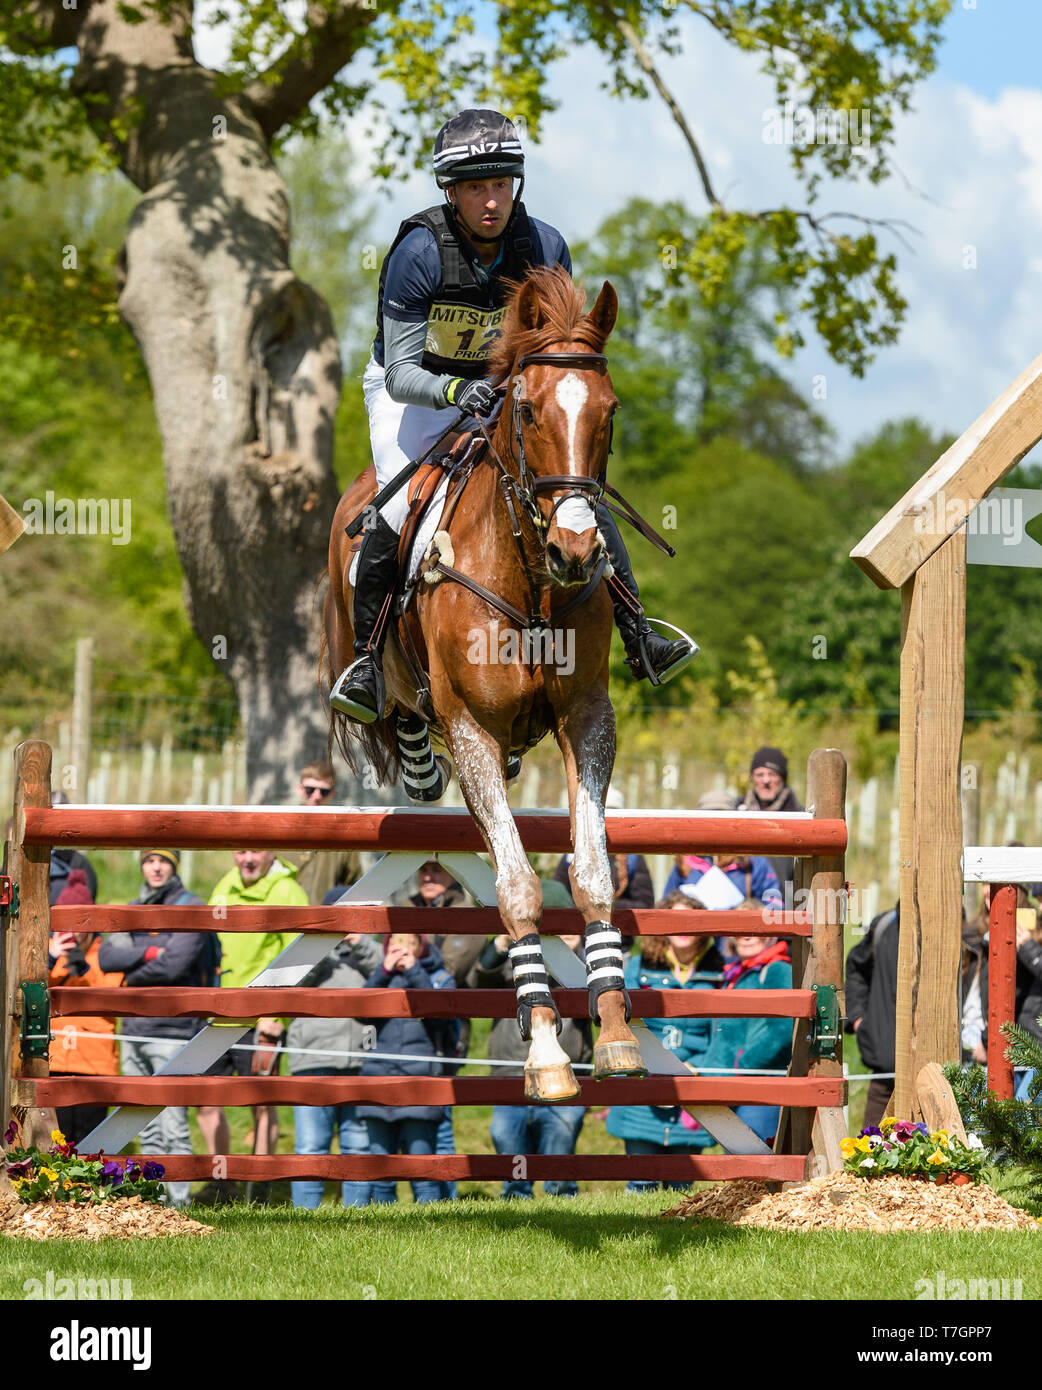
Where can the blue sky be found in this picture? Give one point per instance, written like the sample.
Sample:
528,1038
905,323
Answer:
970,160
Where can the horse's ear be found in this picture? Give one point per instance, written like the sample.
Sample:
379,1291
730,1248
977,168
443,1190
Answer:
529,306
606,310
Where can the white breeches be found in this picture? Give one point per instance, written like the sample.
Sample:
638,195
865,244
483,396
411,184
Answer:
398,434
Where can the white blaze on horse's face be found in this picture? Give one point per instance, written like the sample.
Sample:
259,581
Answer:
574,514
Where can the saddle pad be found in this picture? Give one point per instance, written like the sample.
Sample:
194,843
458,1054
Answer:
424,535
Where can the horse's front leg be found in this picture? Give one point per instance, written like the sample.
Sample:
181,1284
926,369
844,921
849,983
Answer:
586,734
481,771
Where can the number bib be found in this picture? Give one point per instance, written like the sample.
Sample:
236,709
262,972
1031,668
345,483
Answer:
461,333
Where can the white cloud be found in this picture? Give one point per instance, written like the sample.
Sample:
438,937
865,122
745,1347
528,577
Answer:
968,332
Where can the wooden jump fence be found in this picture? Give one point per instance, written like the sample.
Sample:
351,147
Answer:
811,1095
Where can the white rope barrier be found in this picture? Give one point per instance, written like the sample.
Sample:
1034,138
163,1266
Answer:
453,1061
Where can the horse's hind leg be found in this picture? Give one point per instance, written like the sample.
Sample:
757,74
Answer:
480,769
424,772
587,739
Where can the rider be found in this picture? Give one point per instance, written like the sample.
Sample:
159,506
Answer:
441,304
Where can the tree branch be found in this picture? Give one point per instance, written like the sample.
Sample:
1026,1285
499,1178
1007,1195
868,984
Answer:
627,32
331,39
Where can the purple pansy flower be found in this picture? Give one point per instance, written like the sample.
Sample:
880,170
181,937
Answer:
111,1172
152,1172
21,1169
11,1132
870,1130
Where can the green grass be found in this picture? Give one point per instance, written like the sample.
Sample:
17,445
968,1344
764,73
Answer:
598,1245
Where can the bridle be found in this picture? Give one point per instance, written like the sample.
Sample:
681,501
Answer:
526,488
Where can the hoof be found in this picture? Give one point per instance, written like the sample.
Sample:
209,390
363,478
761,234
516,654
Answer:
617,1059
547,1085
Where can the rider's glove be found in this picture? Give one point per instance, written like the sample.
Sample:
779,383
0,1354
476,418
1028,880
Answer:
472,397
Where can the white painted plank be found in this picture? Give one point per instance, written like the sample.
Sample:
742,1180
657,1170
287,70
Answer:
1002,864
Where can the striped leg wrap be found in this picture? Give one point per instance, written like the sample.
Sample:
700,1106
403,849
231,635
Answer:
604,965
422,776
531,982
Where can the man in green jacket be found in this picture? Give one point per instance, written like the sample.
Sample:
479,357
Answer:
258,879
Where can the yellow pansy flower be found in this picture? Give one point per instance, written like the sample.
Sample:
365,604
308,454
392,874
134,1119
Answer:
937,1157
887,1124
49,1174
862,1145
66,1185
939,1137
846,1147
57,1137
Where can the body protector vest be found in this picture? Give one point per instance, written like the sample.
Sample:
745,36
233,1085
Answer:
465,315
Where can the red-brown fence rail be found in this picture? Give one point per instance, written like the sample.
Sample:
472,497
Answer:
809,1096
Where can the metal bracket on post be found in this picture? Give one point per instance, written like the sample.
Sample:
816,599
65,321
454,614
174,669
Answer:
8,895
824,1033
35,1034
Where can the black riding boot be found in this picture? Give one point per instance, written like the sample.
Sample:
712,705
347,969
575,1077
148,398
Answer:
359,692
647,653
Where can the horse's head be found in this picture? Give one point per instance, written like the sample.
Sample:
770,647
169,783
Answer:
558,411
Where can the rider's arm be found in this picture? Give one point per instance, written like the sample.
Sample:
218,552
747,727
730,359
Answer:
413,279
406,381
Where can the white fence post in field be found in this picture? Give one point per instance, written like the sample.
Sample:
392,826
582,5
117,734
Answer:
148,766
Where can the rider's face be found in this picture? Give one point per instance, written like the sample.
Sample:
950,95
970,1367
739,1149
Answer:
483,204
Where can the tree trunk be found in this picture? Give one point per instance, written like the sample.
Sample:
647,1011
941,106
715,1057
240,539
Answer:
244,367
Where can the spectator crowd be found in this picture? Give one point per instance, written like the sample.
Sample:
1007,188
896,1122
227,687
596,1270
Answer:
409,1046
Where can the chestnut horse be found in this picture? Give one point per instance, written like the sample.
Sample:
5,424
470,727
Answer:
524,529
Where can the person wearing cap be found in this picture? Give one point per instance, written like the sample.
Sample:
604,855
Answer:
769,790
157,957
441,301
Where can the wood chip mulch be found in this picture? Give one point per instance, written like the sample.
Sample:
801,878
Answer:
123,1218
845,1202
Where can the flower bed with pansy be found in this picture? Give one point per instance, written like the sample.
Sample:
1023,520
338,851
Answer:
912,1150
62,1175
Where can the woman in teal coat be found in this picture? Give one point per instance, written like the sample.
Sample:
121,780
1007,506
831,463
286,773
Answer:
681,961
754,1044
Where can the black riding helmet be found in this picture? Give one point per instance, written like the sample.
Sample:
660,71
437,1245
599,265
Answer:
479,145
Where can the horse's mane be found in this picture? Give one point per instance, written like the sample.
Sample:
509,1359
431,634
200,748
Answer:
562,303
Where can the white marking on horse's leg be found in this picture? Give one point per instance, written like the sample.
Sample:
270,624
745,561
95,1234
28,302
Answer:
546,1050
481,777
591,872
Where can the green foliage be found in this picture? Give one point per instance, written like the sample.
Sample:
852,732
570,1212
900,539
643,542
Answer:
63,1175
906,1149
1010,1129
834,56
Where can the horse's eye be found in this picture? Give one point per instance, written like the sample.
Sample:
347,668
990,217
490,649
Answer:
527,413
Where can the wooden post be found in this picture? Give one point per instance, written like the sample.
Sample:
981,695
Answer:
819,960
1002,984
82,701
933,612
28,937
